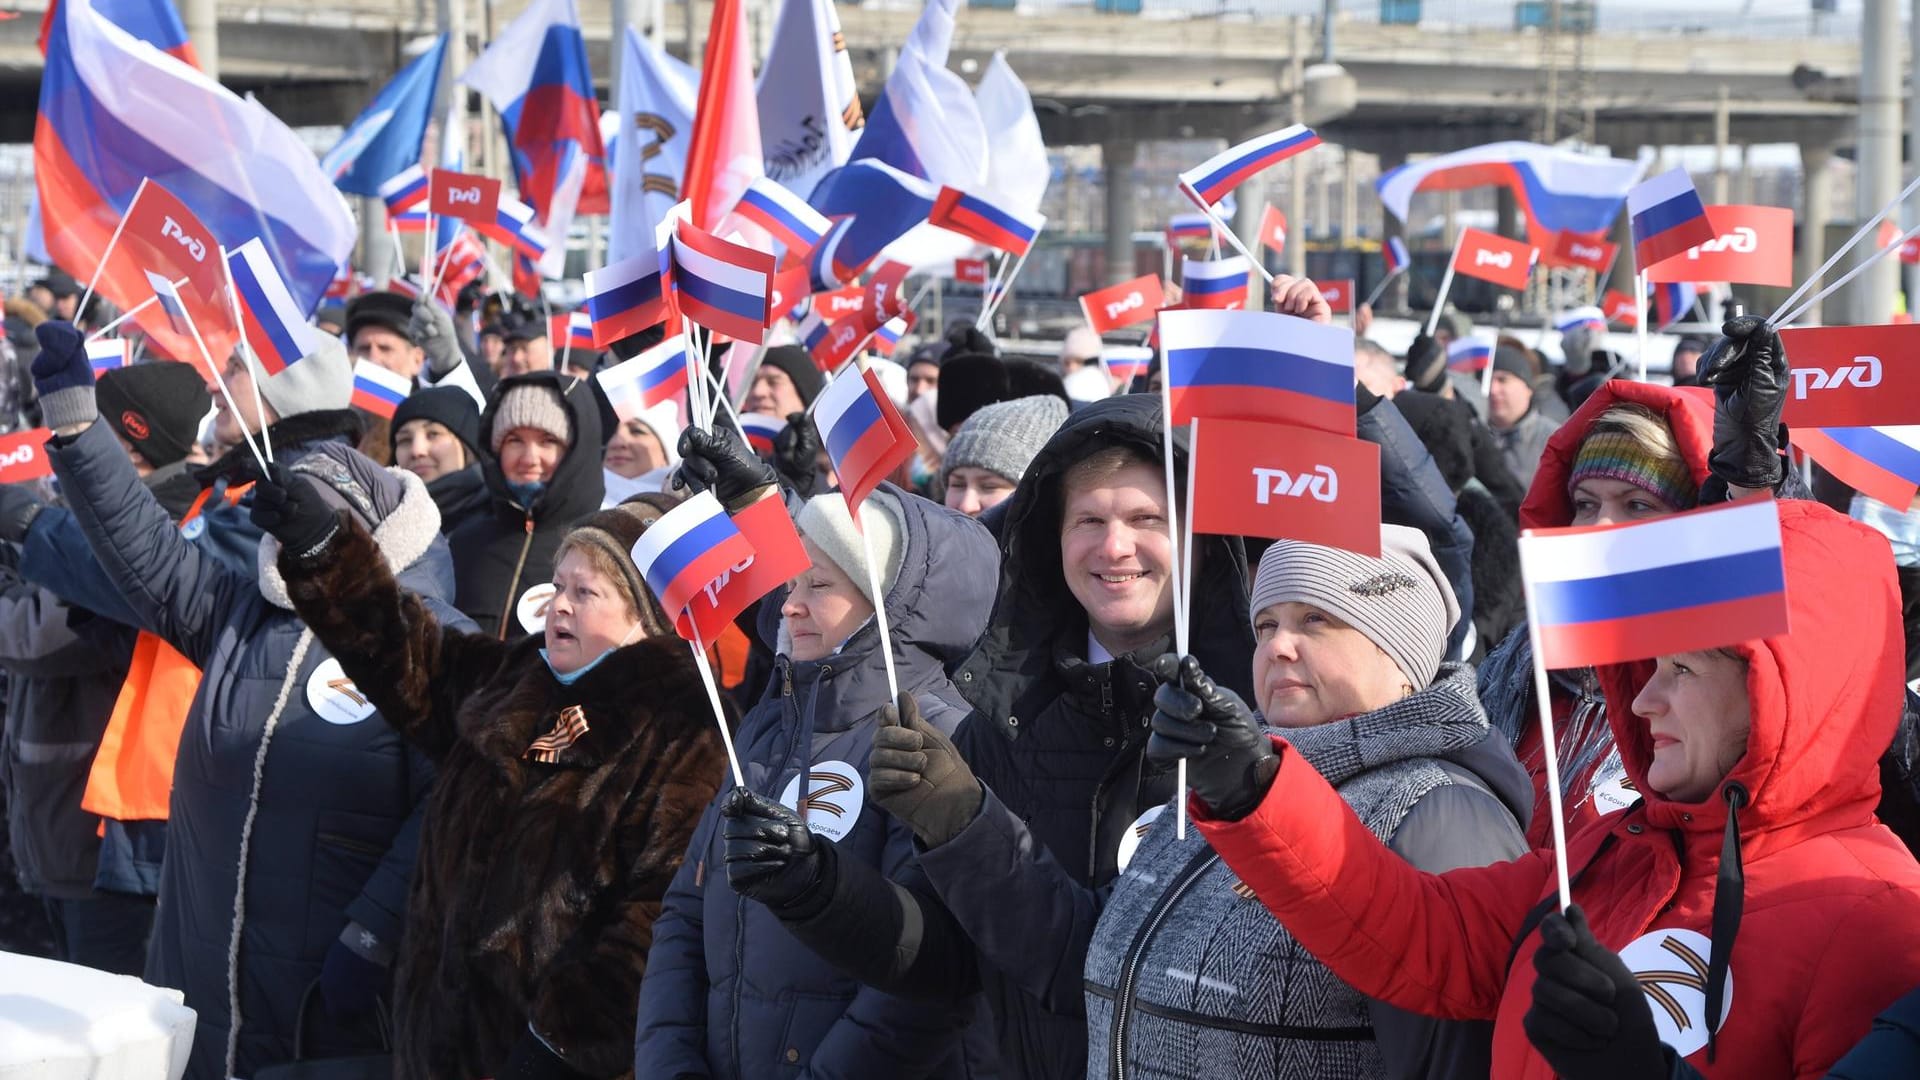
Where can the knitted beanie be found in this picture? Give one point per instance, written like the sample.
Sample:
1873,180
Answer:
613,532
156,407
799,367
1617,455
1514,362
825,521
449,406
1400,601
321,382
538,407
1004,438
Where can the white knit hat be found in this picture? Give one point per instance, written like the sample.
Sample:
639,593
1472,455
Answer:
1400,601
531,406
320,382
825,521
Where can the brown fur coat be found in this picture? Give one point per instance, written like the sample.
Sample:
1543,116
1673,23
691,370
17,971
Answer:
538,884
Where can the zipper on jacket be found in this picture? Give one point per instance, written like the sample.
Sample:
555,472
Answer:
1238,1027
507,607
1201,862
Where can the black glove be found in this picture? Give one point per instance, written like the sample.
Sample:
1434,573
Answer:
771,855
19,505
1590,1018
1363,399
1426,368
288,507
719,460
350,984
63,376
1230,760
532,1059
1747,369
918,776
796,455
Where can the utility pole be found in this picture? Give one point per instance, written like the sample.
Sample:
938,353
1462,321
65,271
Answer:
1871,294
1296,170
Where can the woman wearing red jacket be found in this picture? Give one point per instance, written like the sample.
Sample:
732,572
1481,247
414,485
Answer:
1751,881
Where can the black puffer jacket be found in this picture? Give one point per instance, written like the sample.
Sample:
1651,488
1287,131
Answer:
501,552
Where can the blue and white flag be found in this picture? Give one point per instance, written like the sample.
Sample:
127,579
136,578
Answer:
386,138
809,104
657,95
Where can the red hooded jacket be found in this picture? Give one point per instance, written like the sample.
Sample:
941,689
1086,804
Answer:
1688,412
1831,927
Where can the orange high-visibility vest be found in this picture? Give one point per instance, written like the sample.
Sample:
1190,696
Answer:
132,776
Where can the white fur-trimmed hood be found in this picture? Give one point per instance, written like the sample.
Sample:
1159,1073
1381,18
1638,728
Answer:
404,535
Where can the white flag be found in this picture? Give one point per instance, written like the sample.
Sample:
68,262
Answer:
657,94
809,103
1017,167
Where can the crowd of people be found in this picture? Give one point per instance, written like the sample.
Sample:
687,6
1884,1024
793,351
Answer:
384,745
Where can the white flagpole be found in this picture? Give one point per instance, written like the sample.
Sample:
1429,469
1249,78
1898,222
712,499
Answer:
1174,564
1640,331
1221,230
1872,223
220,379
873,579
1821,294
1382,287
258,371
1007,286
129,313
1183,601
1446,284
112,242
713,698
1549,751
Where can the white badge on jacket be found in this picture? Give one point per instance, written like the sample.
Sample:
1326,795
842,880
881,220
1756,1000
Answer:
1130,840
835,794
532,608
333,697
1672,968
1613,792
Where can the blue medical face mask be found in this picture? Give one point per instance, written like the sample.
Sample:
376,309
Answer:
1900,527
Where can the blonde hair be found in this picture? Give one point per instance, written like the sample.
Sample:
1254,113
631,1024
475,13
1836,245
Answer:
603,563
1645,427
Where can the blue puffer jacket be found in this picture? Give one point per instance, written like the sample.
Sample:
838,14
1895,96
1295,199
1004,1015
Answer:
729,993
316,815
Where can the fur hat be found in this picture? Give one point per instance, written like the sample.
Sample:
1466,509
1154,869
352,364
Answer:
825,521
613,532
1005,437
156,407
538,407
321,381
1400,601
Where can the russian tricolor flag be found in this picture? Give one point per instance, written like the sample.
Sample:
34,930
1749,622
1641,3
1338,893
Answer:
1667,217
760,430
1258,365
654,376
721,285
571,330
269,319
378,390
785,216
106,354
170,302
513,226
406,190
625,298
1610,594
1219,284
1189,227
684,552
1215,178
1589,316
864,434
976,218
1394,254
812,332
1127,362
1671,302
1881,462
887,338
1468,354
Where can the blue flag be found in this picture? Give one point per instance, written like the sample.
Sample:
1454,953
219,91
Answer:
386,137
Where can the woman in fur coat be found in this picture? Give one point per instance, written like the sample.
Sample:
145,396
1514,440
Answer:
571,779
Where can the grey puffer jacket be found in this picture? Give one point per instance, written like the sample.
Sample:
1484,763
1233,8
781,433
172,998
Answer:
731,994
286,822
1189,975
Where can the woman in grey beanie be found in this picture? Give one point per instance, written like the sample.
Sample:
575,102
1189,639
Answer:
1348,660
991,451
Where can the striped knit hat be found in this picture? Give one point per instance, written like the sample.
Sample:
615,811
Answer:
1618,455
1400,601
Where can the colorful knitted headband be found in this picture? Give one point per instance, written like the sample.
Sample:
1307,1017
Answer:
1617,455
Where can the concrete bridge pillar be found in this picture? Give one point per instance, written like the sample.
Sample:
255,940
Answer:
1816,166
1394,297
202,21
1116,162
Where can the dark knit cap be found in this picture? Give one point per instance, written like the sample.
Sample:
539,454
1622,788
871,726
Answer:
614,531
799,367
1514,362
157,407
1025,378
1426,365
386,310
447,405
969,381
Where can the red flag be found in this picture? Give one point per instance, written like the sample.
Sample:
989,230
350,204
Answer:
1338,293
789,288
778,558
160,235
1124,304
1910,251
1496,259
1752,245
1582,250
1853,376
723,156
1273,230
840,303
464,196
1286,483
23,456
1619,307
970,271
